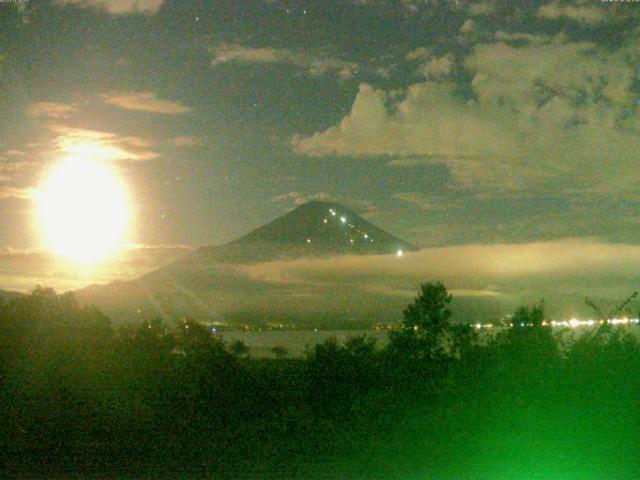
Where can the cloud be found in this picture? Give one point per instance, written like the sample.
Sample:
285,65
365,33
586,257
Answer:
17,164
301,198
462,292
532,123
419,120
144,102
468,26
520,37
582,14
20,193
118,7
429,121
14,153
20,170
481,8
52,110
432,66
105,146
366,208
13,181
520,71
420,53
438,67
523,271
507,273
409,293
314,65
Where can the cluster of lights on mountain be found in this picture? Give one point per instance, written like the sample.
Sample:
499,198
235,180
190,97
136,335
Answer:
343,220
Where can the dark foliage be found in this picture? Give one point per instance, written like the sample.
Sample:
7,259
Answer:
79,398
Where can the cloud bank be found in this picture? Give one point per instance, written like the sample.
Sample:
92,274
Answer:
528,123
513,273
104,146
118,7
144,102
313,65
52,110
579,13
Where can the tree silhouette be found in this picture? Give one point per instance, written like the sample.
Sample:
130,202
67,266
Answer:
68,380
530,343
279,351
425,323
529,316
239,348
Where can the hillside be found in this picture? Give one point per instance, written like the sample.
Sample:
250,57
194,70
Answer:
217,282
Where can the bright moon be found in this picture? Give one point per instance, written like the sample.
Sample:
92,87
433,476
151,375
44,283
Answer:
83,210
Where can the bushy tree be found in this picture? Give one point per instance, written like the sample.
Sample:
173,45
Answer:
425,323
197,340
338,373
530,342
239,348
529,316
279,351
430,311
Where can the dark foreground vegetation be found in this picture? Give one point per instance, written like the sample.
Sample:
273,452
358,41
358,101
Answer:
80,399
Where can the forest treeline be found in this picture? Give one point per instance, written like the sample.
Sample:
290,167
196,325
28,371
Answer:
82,399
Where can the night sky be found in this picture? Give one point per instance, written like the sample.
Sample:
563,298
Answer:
447,123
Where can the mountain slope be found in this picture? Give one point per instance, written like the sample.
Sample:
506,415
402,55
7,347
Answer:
215,281
7,295
313,229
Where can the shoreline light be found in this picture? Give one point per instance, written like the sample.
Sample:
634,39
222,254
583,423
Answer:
572,323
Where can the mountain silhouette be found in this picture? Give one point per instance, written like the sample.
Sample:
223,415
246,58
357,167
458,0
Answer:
213,281
7,295
313,229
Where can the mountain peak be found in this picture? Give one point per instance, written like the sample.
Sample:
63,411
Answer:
321,228
201,282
